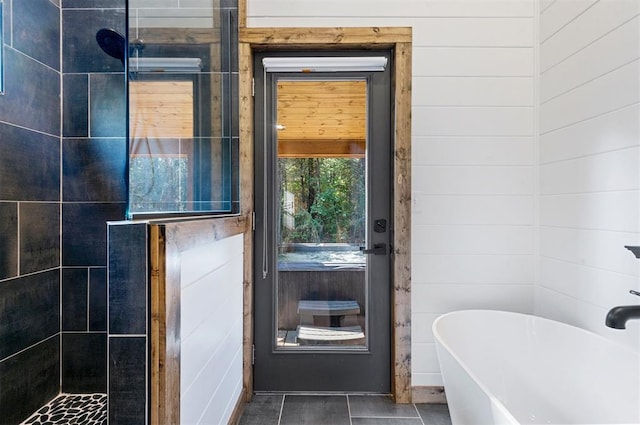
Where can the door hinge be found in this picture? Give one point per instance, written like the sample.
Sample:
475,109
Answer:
253,87
253,354
253,221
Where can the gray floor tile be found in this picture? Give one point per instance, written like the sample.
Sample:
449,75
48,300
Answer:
434,414
263,410
386,421
315,410
377,406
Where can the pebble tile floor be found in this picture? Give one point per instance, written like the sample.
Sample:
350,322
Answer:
84,409
269,409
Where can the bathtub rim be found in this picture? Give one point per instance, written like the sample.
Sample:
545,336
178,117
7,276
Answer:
496,405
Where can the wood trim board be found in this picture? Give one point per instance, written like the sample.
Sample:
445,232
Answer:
400,41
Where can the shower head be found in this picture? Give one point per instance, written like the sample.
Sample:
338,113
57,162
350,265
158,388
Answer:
112,42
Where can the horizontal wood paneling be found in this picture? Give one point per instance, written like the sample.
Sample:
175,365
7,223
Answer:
560,13
295,9
467,209
475,180
473,91
585,28
614,50
450,297
196,265
589,162
474,239
473,62
473,269
610,171
470,121
614,211
600,249
473,150
211,338
608,132
615,90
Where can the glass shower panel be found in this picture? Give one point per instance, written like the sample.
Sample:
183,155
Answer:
183,127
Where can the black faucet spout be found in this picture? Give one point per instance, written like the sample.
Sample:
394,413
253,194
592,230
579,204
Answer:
618,316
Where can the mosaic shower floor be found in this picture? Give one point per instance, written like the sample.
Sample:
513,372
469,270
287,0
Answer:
85,409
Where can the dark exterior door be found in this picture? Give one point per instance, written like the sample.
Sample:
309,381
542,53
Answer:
322,237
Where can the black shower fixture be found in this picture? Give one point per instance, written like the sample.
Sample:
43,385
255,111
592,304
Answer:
112,43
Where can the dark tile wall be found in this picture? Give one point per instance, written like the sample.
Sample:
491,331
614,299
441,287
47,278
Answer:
127,380
94,162
30,205
28,378
128,323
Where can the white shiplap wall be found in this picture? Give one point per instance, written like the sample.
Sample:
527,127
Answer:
589,161
473,148
211,331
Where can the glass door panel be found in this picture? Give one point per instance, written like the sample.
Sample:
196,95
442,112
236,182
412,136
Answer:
321,199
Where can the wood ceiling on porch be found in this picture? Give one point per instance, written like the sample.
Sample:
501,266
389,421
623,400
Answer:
321,119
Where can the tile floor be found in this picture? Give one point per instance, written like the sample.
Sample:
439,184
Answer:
85,409
296,409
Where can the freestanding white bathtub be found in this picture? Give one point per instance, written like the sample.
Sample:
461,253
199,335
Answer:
510,368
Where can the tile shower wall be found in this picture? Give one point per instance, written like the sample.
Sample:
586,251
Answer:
30,251
589,161
128,323
473,149
93,185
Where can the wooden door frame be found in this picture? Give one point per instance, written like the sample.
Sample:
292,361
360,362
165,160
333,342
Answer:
399,41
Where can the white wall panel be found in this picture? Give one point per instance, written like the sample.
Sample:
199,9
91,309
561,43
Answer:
211,330
615,90
472,62
438,209
472,150
405,8
446,298
586,28
603,288
469,32
613,131
473,91
614,50
569,310
589,162
610,171
465,240
472,269
593,248
614,211
475,180
469,121
421,327
560,13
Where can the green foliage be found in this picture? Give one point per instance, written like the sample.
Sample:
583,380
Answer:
328,200
158,183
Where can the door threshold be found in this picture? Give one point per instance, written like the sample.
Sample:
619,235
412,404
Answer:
322,393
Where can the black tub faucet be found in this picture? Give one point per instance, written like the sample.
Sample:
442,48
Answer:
618,316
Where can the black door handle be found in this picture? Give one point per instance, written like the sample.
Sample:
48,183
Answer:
378,249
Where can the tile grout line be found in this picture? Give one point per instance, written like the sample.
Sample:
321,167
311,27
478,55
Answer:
418,412
281,408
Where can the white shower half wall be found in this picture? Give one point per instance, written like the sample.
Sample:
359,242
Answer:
211,281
